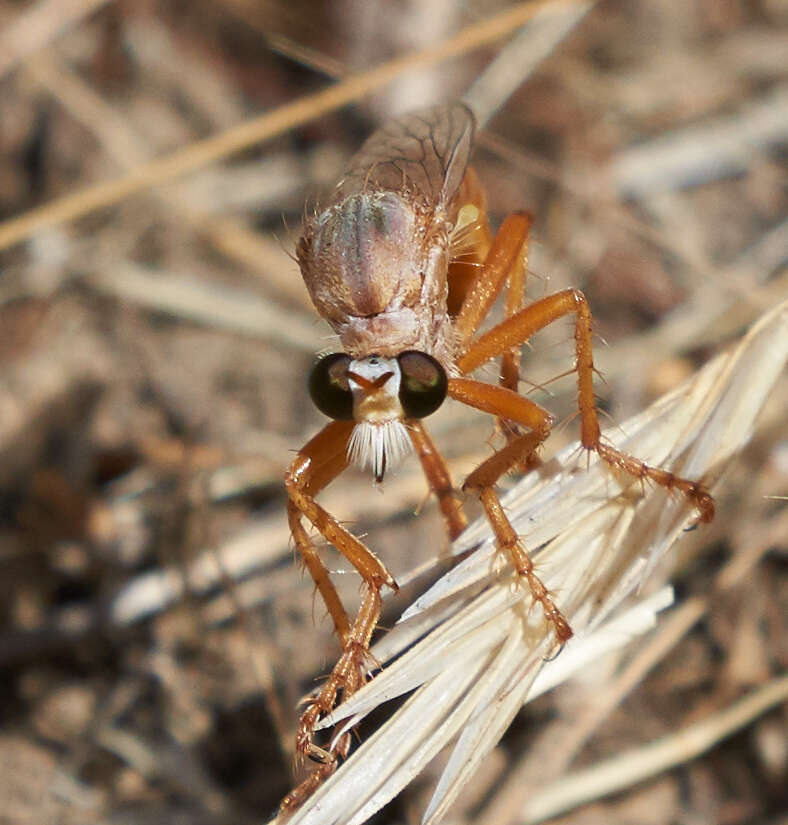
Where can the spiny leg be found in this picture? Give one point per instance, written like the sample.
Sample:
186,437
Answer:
511,406
505,264
347,674
317,464
330,444
438,478
515,300
506,249
520,327
482,482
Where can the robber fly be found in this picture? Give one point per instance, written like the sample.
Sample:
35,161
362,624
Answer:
403,266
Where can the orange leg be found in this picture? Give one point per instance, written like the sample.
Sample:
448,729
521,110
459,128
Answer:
513,407
505,264
503,402
438,478
516,330
505,256
316,465
320,476
515,300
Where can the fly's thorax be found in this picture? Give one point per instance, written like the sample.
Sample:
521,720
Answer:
375,266
396,330
361,256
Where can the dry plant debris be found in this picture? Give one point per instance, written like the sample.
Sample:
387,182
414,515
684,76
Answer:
155,635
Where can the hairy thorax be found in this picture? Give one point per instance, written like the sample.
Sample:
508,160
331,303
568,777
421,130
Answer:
375,266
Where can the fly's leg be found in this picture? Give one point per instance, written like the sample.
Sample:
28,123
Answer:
438,478
317,464
514,302
515,297
505,256
330,459
508,404
516,330
505,264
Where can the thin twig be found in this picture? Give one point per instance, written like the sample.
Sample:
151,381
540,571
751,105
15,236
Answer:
39,25
128,148
639,764
235,310
518,59
704,153
264,127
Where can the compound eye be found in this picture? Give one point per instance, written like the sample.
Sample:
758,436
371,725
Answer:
329,389
423,384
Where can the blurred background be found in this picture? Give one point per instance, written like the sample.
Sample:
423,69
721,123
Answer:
155,632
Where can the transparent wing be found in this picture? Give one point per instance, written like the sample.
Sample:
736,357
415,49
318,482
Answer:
422,155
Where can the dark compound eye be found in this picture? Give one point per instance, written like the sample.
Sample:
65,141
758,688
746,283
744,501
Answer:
423,385
329,388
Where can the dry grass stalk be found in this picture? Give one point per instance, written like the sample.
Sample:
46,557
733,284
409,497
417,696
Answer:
264,127
639,764
483,649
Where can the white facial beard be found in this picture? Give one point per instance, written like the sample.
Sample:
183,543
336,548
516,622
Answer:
379,446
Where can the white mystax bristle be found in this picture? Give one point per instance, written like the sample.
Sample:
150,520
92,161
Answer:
378,446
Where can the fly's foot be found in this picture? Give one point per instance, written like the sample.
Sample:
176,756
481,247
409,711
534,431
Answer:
347,677
693,491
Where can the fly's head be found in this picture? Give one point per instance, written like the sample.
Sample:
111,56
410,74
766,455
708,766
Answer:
380,394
